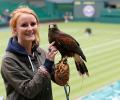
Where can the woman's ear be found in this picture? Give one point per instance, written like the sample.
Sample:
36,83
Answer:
14,32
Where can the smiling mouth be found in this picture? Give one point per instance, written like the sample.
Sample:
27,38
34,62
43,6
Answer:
29,34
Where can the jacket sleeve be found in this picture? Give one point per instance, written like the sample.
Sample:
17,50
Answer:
43,53
14,75
52,73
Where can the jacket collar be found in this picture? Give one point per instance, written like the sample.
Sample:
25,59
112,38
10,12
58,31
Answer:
15,47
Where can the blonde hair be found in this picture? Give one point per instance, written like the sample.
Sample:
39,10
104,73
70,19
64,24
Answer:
16,14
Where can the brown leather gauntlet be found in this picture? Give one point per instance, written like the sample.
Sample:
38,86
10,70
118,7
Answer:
62,73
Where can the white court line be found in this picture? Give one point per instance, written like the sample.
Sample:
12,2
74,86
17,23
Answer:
103,45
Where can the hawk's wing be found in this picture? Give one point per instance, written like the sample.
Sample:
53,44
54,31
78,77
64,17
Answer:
67,44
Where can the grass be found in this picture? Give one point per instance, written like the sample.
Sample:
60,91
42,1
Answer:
102,50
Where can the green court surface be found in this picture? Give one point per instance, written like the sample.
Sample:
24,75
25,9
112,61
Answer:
101,48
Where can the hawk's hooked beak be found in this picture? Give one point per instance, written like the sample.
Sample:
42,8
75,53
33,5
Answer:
52,25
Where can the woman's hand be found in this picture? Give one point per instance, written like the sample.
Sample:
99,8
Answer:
43,71
52,51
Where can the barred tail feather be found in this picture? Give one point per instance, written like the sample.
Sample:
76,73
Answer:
80,65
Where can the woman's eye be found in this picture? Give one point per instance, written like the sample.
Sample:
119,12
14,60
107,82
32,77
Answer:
33,24
24,25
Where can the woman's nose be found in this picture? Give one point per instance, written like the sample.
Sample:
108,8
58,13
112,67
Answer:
30,27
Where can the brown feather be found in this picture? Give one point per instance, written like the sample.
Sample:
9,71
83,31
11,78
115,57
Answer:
80,65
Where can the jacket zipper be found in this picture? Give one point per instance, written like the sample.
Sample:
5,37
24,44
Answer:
31,63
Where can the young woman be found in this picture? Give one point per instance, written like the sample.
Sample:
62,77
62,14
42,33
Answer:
26,68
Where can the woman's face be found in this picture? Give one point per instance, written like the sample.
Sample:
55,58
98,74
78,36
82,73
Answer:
26,28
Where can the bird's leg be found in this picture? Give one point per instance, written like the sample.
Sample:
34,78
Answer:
64,59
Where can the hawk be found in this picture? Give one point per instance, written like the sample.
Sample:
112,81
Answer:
68,47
